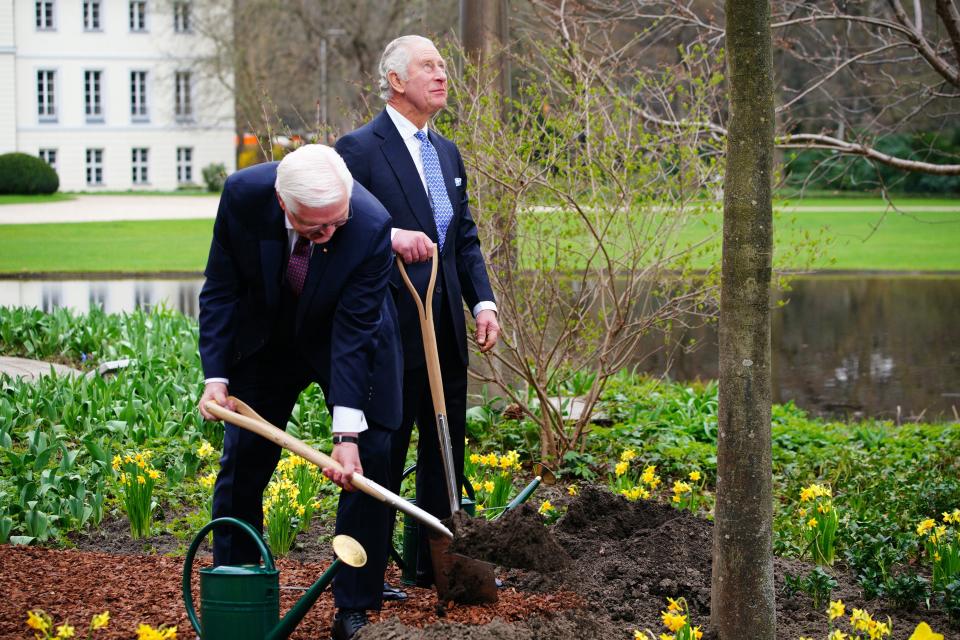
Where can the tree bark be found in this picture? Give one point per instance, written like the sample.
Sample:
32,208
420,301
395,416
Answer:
742,584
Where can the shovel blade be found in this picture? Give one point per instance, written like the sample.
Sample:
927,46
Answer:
459,578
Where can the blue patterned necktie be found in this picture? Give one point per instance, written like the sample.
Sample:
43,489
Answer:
436,189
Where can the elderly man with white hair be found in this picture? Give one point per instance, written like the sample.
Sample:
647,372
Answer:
420,178
295,293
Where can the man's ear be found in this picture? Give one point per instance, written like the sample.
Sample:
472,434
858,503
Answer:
395,82
280,200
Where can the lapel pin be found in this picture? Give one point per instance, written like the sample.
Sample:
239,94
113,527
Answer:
458,181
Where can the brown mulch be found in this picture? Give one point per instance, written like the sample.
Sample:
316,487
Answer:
620,561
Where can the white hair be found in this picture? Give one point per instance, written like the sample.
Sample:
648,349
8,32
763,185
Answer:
313,176
396,58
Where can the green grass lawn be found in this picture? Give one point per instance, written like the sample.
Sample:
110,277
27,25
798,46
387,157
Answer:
919,240
147,246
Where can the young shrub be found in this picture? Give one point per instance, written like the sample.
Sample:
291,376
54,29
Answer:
214,175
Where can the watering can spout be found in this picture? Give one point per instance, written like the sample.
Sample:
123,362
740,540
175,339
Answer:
243,602
349,552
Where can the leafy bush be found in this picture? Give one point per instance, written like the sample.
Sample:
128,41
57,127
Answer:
214,175
23,174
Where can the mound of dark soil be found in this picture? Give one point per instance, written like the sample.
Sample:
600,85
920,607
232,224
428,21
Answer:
517,540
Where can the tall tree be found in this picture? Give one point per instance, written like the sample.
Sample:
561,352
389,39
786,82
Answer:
742,590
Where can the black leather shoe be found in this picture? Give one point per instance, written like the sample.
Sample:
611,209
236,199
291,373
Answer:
392,593
346,623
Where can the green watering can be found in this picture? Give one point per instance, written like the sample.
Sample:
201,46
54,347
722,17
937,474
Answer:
243,602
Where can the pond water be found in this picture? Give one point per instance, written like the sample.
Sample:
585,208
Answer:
852,345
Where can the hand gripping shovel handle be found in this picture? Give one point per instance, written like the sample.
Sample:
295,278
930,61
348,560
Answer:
248,419
432,359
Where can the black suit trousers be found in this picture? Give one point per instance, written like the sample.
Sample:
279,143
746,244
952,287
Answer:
271,383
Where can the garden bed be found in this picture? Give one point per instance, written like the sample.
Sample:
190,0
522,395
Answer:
625,560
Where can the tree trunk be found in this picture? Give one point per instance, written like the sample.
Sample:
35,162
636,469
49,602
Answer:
742,588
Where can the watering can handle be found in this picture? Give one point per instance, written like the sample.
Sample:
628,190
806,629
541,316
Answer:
188,561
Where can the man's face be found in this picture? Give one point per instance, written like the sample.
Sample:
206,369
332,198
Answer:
425,89
318,223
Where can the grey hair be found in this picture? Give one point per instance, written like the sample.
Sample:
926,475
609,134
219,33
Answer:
313,176
396,58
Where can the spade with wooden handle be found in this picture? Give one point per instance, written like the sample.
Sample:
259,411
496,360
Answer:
248,419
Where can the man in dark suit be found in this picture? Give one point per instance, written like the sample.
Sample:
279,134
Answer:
295,293
419,177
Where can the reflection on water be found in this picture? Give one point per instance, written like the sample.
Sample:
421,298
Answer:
842,345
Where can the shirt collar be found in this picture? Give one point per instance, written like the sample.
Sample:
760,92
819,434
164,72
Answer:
406,128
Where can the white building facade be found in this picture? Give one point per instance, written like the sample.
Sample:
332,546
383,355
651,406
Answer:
116,95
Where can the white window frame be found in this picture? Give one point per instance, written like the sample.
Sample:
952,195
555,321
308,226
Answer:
182,16
47,95
184,165
139,165
183,96
93,95
45,15
49,155
93,167
92,15
137,16
139,104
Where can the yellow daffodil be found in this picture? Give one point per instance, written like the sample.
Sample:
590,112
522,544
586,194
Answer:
546,507
100,620
628,455
697,633
621,468
649,474
488,486
65,631
802,512
572,490
673,605
681,487
38,620
836,609
924,632
836,634
205,450
117,461
812,522
154,474
673,621
667,636
474,458
208,480
695,476
141,480
925,526
860,619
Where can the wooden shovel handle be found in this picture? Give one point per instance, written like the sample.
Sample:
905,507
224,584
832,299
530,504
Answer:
248,419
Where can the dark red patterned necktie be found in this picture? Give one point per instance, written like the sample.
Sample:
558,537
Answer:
297,265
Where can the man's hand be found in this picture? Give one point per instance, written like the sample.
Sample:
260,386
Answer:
412,246
348,455
216,391
488,329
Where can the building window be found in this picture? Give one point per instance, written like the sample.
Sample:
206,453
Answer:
45,15
92,96
184,165
94,167
138,96
182,107
91,15
181,16
46,95
138,15
50,157
138,163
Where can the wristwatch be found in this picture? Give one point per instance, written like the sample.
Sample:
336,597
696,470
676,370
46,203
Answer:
337,439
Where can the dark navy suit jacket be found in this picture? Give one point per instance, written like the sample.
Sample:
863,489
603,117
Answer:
379,160
345,322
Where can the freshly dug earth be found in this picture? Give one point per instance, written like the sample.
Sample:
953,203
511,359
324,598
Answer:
604,570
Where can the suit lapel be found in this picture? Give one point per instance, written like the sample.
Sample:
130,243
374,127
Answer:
398,157
319,258
273,246
449,168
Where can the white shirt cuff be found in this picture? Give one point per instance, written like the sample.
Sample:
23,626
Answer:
484,305
347,420
223,380
393,233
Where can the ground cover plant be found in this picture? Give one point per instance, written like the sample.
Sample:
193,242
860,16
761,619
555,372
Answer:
893,490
